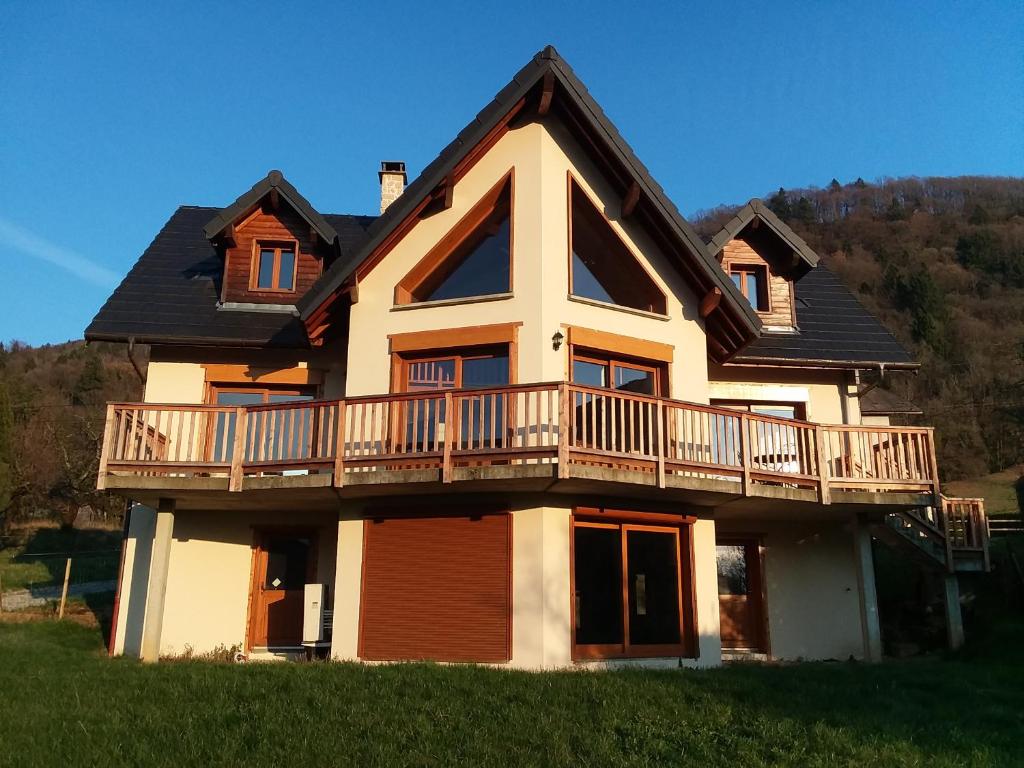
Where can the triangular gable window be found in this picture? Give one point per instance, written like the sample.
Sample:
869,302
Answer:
603,267
473,259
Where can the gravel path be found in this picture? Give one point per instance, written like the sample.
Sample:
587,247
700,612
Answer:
18,599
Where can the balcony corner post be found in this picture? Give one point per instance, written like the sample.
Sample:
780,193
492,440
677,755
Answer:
338,479
745,452
824,491
449,435
659,445
108,439
563,431
238,450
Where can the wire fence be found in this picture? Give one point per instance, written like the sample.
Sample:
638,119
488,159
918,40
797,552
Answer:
34,577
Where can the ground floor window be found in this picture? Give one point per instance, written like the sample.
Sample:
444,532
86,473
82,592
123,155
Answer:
632,590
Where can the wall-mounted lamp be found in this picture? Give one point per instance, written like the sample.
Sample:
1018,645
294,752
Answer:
556,340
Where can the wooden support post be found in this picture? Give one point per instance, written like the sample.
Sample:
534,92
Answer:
449,435
933,463
563,430
159,565
238,450
824,491
943,511
659,437
1,593
64,590
870,625
745,452
339,447
108,439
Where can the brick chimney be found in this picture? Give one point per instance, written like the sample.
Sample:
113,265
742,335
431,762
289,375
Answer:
392,182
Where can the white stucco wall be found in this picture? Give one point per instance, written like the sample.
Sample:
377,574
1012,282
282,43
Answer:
811,588
827,395
208,581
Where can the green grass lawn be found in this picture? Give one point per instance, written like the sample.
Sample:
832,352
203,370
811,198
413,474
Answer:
997,490
37,556
64,703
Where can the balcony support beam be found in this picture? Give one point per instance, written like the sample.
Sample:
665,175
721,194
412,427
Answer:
157,590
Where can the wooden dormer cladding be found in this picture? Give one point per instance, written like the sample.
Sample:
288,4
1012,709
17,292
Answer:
780,311
267,226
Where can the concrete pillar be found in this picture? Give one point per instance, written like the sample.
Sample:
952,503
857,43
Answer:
870,627
157,590
954,619
348,578
705,575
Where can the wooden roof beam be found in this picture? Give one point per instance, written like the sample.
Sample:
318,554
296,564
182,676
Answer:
547,93
629,203
710,302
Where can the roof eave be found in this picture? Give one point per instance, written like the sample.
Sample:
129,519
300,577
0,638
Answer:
787,362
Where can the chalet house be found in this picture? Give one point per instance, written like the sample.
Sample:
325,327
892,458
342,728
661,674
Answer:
524,417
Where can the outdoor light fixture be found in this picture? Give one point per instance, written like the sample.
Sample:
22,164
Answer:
556,340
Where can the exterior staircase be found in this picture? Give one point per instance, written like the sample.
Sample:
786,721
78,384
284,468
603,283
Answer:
952,536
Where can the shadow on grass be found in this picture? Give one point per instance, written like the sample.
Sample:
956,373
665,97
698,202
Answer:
94,553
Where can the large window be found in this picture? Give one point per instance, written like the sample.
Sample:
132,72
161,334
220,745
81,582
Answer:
602,268
274,267
482,418
618,424
596,369
632,590
262,434
752,280
473,259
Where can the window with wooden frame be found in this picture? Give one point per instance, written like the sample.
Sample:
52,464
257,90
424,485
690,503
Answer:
418,425
274,266
473,259
262,433
632,589
752,280
780,410
601,266
594,368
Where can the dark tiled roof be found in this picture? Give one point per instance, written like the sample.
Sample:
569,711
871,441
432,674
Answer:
833,327
547,61
259,190
882,402
172,292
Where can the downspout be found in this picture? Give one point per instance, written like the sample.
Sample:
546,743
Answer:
135,363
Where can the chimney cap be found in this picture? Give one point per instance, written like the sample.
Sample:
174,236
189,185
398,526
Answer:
390,167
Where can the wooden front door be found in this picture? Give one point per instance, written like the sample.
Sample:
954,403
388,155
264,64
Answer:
284,562
740,595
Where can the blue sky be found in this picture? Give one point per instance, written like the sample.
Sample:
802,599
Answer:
111,115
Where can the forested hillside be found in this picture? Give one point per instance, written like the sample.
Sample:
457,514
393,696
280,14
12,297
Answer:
52,411
941,261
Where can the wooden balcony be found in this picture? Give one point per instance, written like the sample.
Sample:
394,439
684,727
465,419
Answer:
555,431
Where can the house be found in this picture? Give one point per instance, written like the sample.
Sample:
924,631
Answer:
525,416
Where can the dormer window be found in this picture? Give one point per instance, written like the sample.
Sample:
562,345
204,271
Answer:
274,267
752,280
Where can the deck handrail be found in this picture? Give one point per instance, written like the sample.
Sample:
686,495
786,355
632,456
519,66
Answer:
549,422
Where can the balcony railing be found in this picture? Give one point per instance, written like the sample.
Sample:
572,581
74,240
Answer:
561,424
